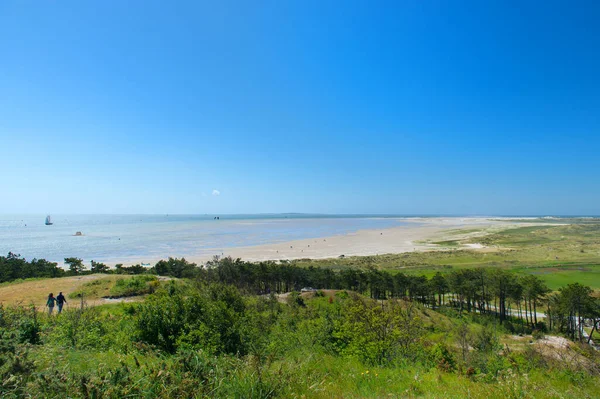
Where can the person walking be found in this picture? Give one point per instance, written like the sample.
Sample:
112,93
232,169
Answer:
50,303
60,301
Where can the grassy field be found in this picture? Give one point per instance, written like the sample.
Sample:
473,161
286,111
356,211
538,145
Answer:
36,291
117,287
559,254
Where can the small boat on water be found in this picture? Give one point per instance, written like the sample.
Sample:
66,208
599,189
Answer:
48,221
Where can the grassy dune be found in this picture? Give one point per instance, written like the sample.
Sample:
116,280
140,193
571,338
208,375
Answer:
294,360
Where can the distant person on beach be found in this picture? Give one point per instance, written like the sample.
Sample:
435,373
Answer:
60,301
50,303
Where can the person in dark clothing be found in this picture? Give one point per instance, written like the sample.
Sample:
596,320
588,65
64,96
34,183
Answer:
60,301
50,303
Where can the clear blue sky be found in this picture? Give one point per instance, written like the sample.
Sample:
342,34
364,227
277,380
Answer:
437,107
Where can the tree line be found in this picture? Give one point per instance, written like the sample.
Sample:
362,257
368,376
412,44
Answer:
490,291
14,267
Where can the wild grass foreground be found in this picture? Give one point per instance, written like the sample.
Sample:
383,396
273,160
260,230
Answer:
221,334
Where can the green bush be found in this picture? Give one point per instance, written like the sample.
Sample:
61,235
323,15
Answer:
29,331
379,334
85,328
210,319
486,340
29,327
442,358
138,285
294,299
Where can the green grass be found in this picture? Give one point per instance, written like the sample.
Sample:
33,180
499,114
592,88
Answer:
79,361
117,286
447,243
556,277
138,285
308,372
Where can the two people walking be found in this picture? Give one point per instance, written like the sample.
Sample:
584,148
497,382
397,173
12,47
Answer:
60,300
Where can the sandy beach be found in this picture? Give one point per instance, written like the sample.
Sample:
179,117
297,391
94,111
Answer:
410,237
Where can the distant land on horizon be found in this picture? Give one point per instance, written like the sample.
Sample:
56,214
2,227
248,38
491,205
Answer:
319,215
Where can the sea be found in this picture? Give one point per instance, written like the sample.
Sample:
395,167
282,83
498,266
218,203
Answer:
143,238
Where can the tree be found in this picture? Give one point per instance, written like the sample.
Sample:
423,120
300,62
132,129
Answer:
13,267
98,267
75,265
575,303
502,286
175,267
534,291
439,286
594,313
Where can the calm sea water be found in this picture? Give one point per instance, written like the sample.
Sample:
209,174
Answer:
127,238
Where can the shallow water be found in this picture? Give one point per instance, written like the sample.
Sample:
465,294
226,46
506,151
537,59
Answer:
139,238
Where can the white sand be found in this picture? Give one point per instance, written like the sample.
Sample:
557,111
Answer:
474,246
364,242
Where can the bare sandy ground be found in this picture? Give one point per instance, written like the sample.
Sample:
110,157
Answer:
411,237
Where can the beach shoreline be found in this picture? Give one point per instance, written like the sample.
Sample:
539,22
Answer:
415,235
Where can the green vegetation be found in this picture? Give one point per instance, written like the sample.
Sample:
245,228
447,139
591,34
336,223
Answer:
452,323
94,289
117,287
207,339
75,265
13,267
138,285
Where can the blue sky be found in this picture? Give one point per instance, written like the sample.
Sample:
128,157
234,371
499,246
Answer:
412,107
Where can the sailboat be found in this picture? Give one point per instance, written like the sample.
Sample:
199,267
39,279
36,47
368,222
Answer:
48,221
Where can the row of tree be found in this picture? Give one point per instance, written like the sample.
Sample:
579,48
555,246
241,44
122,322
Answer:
14,267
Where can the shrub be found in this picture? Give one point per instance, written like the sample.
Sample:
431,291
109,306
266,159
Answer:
537,334
442,358
210,319
295,300
379,334
138,285
29,328
85,328
29,332
485,340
